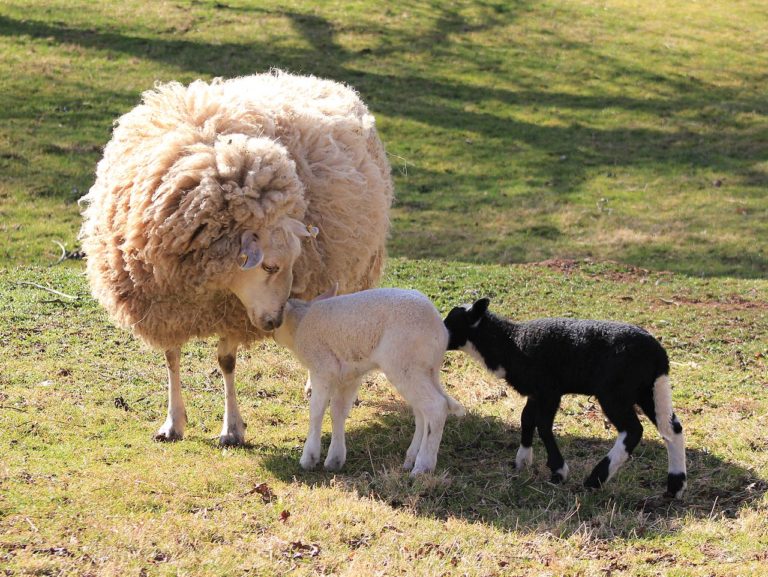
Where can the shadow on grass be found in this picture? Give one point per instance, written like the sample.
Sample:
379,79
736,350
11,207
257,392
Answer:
448,110
475,480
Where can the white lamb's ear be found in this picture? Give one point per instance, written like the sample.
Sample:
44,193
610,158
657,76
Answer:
330,293
250,255
300,229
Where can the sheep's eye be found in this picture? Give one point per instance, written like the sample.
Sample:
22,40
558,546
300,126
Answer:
270,269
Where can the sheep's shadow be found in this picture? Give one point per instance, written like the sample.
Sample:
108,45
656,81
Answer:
476,479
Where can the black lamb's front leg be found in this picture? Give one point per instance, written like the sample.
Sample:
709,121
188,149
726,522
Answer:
527,428
545,419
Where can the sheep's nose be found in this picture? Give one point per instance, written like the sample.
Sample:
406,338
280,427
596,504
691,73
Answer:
270,323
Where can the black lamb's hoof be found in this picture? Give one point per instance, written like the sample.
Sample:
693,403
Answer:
592,482
676,483
556,478
599,474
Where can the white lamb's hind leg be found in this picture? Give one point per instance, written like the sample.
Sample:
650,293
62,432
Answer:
342,398
317,403
176,421
435,414
413,449
233,428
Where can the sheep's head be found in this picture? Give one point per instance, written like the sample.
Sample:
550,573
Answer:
265,274
461,320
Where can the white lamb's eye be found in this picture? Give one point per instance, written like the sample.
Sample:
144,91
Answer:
270,269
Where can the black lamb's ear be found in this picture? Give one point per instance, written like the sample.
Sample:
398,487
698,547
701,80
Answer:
481,306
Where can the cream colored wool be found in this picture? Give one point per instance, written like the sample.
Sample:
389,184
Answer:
192,167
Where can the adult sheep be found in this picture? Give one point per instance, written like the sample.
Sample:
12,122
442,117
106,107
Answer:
203,215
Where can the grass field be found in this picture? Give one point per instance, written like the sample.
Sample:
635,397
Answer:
589,159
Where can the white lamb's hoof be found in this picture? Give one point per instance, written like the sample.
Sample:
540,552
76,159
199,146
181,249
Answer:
334,463
421,470
408,463
309,460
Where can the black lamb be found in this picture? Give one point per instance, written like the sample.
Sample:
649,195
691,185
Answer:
622,365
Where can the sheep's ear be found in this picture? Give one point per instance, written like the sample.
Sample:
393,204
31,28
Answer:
330,293
250,254
300,229
478,309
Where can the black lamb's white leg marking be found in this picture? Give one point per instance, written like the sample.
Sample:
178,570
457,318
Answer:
524,455
630,432
672,432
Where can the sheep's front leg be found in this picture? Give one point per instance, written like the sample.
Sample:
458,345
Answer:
233,428
342,399
176,421
317,403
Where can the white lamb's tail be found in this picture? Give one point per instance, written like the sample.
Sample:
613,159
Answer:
672,432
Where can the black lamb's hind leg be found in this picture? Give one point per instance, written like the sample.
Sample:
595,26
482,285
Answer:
545,419
625,420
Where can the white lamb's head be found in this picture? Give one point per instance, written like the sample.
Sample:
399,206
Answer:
265,275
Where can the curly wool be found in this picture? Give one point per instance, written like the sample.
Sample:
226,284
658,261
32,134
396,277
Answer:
192,167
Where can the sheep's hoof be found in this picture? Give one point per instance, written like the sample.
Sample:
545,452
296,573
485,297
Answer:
231,440
408,464
556,478
168,435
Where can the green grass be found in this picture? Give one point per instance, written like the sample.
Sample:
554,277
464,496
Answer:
582,134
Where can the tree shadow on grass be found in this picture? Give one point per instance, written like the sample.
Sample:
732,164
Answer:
475,480
689,111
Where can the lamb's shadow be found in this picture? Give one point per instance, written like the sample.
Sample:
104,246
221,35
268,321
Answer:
476,479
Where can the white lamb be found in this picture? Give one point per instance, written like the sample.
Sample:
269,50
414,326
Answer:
341,338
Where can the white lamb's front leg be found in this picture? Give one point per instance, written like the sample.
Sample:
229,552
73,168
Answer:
233,428
342,399
310,457
176,421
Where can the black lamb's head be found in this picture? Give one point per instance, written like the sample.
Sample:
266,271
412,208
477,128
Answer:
461,320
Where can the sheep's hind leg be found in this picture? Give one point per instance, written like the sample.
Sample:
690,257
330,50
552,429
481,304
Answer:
233,428
176,421
342,399
630,430
317,403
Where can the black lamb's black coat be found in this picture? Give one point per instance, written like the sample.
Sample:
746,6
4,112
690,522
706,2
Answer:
571,356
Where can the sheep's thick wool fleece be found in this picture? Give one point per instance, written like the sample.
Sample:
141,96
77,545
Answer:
193,166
